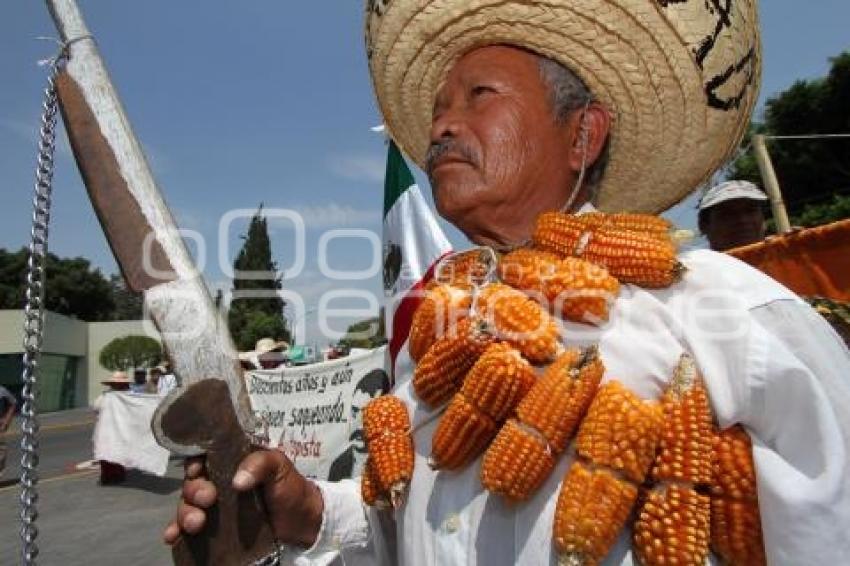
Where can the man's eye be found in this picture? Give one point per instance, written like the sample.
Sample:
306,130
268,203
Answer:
481,90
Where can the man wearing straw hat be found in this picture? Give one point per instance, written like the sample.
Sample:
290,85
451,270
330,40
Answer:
515,108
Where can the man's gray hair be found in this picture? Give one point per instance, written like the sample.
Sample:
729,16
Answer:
567,94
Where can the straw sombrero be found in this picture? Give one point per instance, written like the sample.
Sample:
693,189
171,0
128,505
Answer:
117,377
263,346
679,76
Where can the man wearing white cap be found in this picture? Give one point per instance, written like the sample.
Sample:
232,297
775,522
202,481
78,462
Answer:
517,108
732,215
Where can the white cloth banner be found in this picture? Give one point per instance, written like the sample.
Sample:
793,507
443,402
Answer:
313,412
123,432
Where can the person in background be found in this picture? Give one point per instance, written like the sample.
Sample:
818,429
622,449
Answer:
152,380
731,215
110,472
7,412
165,378
140,381
268,353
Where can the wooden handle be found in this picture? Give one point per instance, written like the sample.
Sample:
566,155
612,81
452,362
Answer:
237,530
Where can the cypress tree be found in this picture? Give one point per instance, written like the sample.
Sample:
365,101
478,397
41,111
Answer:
252,318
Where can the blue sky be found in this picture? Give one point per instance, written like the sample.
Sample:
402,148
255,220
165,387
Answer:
267,101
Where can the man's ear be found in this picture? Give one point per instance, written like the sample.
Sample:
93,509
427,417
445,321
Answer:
588,130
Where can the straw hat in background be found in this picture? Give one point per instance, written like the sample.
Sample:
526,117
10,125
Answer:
117,378
263,346
680,78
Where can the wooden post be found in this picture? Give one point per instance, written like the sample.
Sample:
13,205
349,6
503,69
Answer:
771,184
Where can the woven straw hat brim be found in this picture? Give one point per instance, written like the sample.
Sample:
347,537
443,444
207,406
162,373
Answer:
642,60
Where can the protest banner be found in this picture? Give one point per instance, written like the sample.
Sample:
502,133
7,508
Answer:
313,412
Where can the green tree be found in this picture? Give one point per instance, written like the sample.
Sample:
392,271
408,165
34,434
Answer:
128,304
369,333
130,352
73,287
250,317
810,171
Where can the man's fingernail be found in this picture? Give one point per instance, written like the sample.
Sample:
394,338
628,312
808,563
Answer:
243,480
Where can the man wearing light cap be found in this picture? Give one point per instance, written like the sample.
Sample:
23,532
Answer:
519,108
732,215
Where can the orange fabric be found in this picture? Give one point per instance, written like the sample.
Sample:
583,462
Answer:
811,262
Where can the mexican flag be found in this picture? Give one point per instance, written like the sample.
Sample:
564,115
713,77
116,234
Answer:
413,242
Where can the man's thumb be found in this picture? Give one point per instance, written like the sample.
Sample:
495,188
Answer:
260,467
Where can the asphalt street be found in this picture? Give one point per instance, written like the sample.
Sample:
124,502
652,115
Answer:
81,522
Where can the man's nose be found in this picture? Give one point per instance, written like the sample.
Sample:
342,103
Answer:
446,124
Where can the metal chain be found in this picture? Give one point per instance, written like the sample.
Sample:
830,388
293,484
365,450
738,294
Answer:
34,317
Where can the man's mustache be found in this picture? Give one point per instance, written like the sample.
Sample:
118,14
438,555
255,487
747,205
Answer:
440,148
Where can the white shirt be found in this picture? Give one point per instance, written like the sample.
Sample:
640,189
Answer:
166,383
770,363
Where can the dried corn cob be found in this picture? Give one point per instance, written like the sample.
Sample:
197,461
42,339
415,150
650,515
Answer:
592,508
734,471
466,269
498,381
672,527
462,434
562,395
441,370
517,462
546,420
620,431
439,310
736,534
649,224
629,256
685,451
518,320
386,427
369,489
578,289
491,390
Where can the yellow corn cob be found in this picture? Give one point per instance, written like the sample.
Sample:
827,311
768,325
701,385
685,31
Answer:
649,224
686,448
439,310
462,434
518,320
672,527
562,395
369,489
578,289
620,431
498,381
736,534
517,462
491,390
629,256
592,508
734,471
441,370
465,269
386,427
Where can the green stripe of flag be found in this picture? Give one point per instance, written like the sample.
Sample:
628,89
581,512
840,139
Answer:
398,178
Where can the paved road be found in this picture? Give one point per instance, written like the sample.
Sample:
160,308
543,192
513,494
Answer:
81,522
